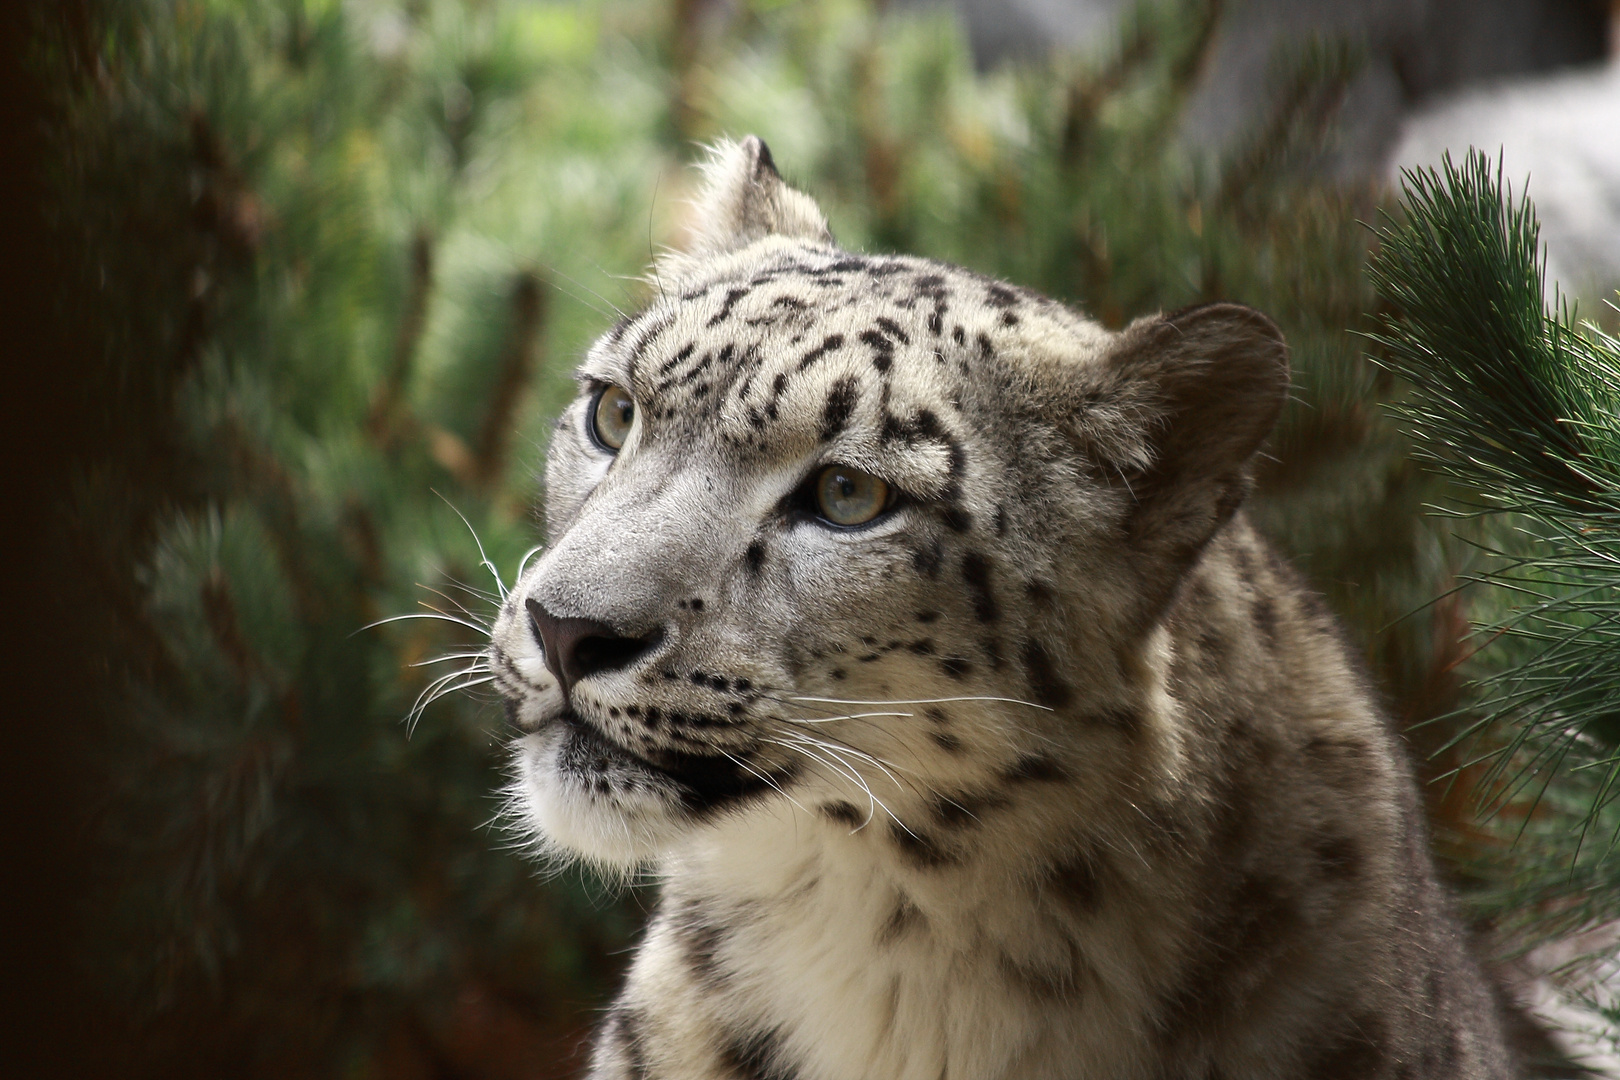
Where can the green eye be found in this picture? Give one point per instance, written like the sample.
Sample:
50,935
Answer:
611,419
846,496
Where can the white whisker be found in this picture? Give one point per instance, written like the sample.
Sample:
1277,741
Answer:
765,777
846,770
923,701
835,719
441,686
458,604
839,749
436,614
524,562
480,655
482,558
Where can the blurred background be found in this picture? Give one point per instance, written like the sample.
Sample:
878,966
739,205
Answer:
297,289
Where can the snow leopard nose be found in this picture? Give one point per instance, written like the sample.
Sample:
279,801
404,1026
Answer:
579,648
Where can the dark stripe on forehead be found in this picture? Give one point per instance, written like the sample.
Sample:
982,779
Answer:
649,334
693,372
840,405
669,365
732,296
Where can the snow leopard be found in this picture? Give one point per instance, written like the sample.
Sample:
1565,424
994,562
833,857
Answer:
907,627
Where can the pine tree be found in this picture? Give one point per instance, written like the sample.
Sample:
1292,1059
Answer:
1518,406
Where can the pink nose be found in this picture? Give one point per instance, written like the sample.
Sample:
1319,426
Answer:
579,648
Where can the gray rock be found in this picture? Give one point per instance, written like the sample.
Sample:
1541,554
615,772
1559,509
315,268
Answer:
1563,133
1412,51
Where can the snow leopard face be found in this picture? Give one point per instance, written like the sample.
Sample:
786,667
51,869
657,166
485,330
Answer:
866,538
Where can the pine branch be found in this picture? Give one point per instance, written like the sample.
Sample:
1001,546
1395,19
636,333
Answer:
1517,406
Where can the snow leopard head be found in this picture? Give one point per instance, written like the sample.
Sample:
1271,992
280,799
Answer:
832,534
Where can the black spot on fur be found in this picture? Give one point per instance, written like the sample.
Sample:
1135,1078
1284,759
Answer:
956,519
976,575
1265,618
905,918
846,265
1053,977
890,327
757,1056
919,848
777,386
1001,521
1000,296
1345,764
673,362
1338,857
623,1028
963,809
882,349
1034,769
1119,717
1075,882
830,343
755,557
841,399
937,714
1212,650
946,741
1044,682
1008,319
842,813
986,350
928,560
958,335
701,940
957,667
922,647
732,296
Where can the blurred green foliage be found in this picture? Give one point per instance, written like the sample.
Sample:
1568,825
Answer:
343,254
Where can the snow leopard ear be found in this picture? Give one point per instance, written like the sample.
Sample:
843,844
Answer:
1209,383
745,199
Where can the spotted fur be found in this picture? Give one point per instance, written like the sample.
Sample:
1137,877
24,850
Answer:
1054,770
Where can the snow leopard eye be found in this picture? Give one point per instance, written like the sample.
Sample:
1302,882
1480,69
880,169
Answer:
846,496
614,412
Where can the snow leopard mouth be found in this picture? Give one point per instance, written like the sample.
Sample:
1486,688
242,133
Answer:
704,783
